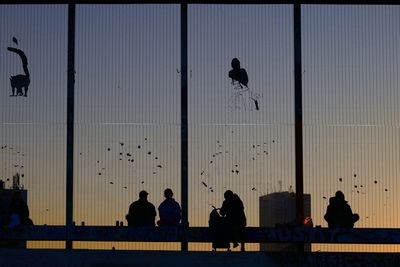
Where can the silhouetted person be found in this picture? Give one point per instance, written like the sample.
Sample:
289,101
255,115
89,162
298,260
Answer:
169,210
238,74
233,210
339,213
141,212
19,211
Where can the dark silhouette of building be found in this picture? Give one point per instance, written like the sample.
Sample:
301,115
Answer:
9,205
141,212
279,208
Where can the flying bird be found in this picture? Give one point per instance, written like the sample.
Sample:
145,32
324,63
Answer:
159,166
204,184
15,41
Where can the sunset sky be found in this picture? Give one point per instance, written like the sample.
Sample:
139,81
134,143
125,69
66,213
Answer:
127,106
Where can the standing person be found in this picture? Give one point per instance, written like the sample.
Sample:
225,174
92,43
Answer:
169,210
233,210
141,212
339,213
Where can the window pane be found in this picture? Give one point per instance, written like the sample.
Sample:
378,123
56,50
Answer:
241,135
351,118
33,128
127,106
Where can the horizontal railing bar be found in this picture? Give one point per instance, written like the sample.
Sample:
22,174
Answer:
211,2
202,234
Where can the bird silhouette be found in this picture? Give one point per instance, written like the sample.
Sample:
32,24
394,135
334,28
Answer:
15,41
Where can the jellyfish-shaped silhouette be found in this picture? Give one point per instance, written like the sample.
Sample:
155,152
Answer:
243,97
20,81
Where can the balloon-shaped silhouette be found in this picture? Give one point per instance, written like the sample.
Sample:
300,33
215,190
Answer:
20,81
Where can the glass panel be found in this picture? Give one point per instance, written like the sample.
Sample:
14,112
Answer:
351,118
241,130
127,106
33,128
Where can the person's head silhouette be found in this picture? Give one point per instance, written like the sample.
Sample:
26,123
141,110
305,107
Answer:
339,195
143,195
235,64
168,193
228,194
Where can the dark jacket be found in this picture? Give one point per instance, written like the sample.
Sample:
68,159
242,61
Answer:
339,214
141,213
233,210
170,213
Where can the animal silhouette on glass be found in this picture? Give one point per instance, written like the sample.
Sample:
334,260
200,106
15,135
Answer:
20,83
243,97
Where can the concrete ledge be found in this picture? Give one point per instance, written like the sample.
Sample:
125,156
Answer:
202,234
103,258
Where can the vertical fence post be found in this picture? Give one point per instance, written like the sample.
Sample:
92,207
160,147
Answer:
298,109
184,125
70,121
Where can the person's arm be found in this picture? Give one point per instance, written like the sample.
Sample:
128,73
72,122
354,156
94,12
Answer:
328,214
223,209
154,212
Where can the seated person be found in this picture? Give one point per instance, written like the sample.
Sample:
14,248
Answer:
238,74
339,213
169,210
141,212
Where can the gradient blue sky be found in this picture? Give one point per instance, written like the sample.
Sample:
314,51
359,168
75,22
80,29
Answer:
128,90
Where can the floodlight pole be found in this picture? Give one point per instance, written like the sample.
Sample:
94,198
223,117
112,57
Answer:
298,110
70,122
184,125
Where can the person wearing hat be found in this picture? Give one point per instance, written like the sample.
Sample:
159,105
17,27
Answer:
169,210
233,211
141,212
339,213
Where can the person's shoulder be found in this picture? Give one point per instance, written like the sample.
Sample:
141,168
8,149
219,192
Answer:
176,203
135,203
163,203
150,204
